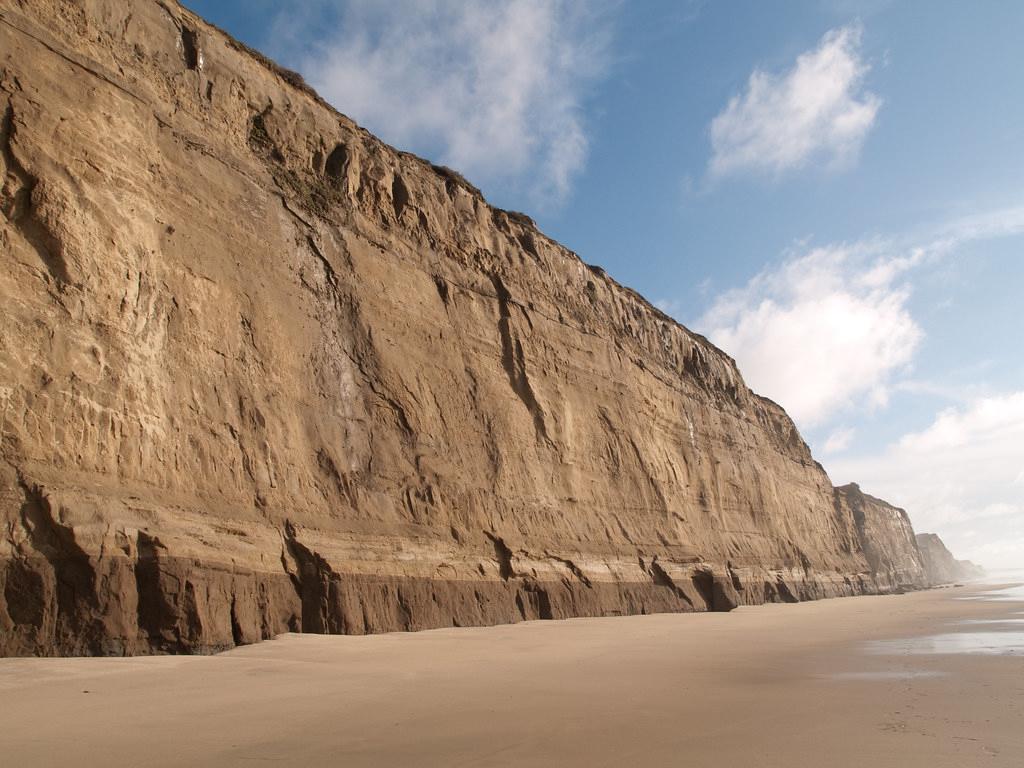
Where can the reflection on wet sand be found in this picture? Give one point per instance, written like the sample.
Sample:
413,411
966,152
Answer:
992,622
1007,641
990,643
1014,593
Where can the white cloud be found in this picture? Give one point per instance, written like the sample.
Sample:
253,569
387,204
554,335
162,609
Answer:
959,477
494,90
839,440
817,109
829,328
821,331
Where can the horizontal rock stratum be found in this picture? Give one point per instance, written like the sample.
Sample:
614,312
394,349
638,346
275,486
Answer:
261,372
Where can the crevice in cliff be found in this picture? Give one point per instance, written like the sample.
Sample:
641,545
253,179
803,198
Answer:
337,163
502,554
236,628
19,207
442,290
190,48
527,243
259,137
317,585
371,379
76,605
399,196
783,591
167,604
573,568
540,600
329,273
661,578
341,480
704,583
514,362
737,583
25,594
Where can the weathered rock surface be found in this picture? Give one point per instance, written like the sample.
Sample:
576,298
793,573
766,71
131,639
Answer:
260,372
886,537
939,564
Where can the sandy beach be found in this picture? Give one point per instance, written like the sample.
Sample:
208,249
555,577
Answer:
924,679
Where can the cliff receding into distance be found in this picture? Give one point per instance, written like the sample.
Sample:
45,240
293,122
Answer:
261,372
940,566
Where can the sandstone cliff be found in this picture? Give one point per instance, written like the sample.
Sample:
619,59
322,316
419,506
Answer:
939,564
886,537
260,372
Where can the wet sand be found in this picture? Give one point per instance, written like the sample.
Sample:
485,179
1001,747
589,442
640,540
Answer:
850,682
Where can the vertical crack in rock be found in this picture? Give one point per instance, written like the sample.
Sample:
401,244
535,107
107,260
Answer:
528,244
734,577
168,609
503,555
190,50
442,290
332,277
337,163
514,362
541,599
399,195
236,628
25,594
318,587
704,583
152,608
19,205
342,482
74,603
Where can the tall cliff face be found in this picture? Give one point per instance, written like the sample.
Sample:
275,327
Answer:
261,372
940,565
886,537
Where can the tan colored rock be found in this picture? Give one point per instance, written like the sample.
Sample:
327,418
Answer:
940,565
261,372
887,539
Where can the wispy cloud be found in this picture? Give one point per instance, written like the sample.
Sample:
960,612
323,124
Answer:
817,109
839,440
494,90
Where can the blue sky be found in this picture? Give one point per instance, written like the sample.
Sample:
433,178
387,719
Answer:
831,191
